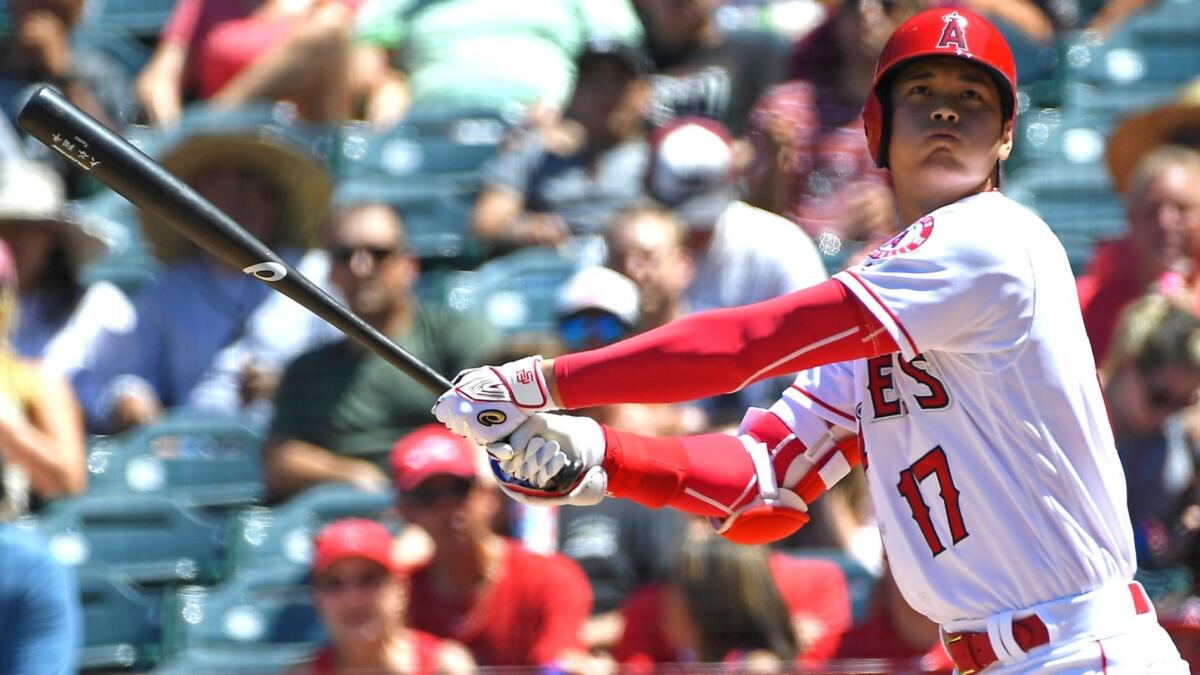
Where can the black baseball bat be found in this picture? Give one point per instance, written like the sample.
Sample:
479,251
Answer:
115,162
106,156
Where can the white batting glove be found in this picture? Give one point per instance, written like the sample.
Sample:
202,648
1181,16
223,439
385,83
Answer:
552,459
486,404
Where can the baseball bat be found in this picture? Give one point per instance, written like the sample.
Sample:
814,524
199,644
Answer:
115,162
109,158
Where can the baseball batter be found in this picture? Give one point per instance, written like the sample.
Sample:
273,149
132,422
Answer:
951,364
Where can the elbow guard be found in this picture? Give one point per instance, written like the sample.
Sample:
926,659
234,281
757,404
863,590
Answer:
788,476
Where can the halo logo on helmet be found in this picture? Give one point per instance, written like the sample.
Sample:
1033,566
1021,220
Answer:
941,31
953,34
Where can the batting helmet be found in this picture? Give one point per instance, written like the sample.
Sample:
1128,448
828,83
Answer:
942,31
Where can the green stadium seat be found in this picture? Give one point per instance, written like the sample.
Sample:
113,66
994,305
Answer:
242,660
1077,201
254,607
143,18
516,292
210,460
152,539
1122,60
281,536
121,623
1107,107
452,145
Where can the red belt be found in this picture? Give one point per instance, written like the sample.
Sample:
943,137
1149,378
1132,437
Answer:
972,652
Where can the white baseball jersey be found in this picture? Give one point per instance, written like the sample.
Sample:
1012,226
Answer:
988,450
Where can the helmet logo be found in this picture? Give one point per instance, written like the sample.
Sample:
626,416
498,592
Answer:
954,33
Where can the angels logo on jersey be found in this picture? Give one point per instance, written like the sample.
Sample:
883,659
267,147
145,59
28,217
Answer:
907,241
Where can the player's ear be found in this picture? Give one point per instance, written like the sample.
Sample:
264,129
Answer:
1006,141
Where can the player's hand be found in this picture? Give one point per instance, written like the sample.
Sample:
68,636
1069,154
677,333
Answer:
486,404
552,459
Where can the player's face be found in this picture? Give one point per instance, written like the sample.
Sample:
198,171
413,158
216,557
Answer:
358,600
946,133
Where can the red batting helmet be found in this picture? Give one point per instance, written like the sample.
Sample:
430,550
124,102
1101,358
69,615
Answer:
942,31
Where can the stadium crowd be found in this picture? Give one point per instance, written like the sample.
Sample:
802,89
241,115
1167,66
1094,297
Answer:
198,475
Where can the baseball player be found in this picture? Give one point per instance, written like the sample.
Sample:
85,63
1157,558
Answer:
951,364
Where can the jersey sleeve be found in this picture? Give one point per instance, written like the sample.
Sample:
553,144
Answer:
825,392
948,286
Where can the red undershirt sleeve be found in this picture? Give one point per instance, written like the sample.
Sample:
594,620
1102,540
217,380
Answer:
705,475
720,351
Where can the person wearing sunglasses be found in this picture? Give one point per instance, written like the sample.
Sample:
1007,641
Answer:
1151,378
339,409
505,603
361,594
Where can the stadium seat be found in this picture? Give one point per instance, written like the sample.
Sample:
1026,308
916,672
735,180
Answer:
152,539
454,144
1077,201
210,460
243,660
121,624
1124,60
143,18
516,292
262,537
254,607
436,214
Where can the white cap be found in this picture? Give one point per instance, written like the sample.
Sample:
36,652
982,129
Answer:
599,288
692,169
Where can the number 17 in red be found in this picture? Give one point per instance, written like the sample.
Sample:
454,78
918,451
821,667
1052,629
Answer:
933,463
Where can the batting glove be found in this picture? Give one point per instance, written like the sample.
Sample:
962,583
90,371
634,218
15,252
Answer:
486,404
551,460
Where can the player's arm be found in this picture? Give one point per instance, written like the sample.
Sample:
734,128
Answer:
701,355
754,487
717,352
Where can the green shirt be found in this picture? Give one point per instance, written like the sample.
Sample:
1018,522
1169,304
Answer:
492,53
352,402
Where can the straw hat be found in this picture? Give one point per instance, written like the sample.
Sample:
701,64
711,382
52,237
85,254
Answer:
262,141
32,194
1141,133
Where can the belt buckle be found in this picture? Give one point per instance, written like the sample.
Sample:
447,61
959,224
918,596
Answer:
957,637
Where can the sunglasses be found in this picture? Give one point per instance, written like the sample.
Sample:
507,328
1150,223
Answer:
1162,398
336,584
454,492
587,331
344,254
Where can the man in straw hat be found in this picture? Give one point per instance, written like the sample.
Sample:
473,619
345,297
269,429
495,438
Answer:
207,335
1154,158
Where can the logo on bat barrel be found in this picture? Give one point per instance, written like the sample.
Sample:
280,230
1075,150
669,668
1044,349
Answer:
267,271
490,418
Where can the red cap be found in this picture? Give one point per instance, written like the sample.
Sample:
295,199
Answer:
941,31
354,538
429,451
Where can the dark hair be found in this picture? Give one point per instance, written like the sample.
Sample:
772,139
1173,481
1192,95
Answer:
59,285
732,599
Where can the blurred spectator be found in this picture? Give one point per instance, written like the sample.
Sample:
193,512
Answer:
37,49
895,633
722,606
62,321
1163,209
1114,13
620,545
508,605
361,593
1150,377
724,583
741,254
811,161
704,70
646,244
41,425
231,53
340,408
478,53
1176,123
572,179
40,623
269,182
